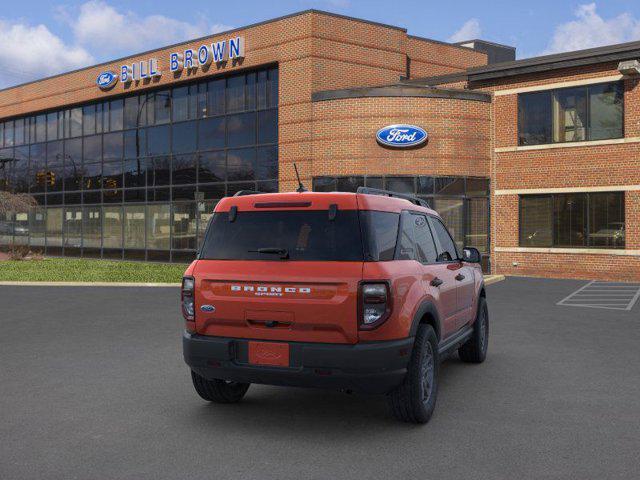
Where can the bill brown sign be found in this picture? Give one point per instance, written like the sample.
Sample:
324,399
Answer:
189,59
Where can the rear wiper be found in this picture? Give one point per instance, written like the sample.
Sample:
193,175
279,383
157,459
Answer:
283,252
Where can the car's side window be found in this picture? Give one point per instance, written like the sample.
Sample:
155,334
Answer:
424,240
446,247
406,249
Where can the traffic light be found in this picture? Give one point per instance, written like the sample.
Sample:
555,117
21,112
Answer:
51,178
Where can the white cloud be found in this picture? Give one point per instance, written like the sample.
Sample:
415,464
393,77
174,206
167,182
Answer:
469,31
107,31
29,52
591,30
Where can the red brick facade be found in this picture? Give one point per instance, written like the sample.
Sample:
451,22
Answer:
468,136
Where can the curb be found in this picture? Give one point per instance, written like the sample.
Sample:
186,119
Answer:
489,279
88,284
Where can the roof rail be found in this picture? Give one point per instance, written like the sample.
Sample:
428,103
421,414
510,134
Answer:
242,193
388,193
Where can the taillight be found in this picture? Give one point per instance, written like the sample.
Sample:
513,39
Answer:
375,304
188,303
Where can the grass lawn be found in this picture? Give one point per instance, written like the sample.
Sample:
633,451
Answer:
85,270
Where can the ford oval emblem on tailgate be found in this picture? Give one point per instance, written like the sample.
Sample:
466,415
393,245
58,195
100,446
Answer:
208,308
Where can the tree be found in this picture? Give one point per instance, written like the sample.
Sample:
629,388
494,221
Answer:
15,202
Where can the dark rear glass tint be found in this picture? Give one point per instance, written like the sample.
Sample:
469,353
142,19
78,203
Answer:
306,236
380,229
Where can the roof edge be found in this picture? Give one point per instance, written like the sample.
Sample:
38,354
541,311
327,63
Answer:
400,90
225,32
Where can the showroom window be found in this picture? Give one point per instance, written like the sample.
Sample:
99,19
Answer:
577,114
575,220
136,176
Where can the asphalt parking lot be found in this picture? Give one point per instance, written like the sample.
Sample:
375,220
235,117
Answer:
92,386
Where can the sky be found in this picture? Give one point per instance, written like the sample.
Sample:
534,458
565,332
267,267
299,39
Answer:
39,38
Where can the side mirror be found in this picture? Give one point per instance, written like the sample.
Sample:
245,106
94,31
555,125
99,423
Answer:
471,255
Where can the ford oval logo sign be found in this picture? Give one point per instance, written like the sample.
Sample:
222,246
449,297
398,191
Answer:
401,136
106,80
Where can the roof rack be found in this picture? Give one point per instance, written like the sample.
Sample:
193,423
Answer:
388,193
242,193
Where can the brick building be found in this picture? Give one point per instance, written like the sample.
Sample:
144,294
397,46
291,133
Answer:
127,158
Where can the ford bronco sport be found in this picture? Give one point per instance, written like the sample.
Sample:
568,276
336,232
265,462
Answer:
358,291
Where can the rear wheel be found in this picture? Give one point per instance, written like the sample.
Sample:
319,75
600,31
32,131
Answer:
415,400
219,391
475,349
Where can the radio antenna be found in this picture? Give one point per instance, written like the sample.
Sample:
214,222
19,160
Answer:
300,188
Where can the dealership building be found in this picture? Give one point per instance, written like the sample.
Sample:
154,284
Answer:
535,162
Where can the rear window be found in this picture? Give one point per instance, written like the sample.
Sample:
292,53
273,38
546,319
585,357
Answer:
380,230
305,236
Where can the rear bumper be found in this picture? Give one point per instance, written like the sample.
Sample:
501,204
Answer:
375,367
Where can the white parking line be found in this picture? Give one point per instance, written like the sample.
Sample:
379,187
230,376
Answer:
612,296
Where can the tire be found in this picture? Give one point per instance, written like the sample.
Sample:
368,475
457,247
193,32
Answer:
415,400
475,349
219,391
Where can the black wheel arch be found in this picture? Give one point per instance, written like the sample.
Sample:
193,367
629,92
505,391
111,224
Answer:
427,313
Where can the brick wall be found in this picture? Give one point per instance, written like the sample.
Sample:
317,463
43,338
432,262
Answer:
563,167
429,58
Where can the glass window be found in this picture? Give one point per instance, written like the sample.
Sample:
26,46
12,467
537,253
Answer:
380,232
570,115
425,185
573,220
101,117
75,122
162,106
116,115
112,146
54,227
452,213
158,171
135,143
73,164
134,226
184,226
606,220
134,173
267,163
449,186
426,248
37,226
92,227
183,169
55,167
261,89
273,88
180,104
37,168
211,167
211,133
212,191
477,187
92,149
235,93
400,184
73,227
241,164
201,100
112,175
606,111
304,235
112,227
241,129
250,89
349,184
19,132
570,220
92,176
158,140
324,184
8,134
130,115
21,169
374,182
477,233
184,137
215,97
205,212
89,124
268,126
158,227
41,128
592,112
446,247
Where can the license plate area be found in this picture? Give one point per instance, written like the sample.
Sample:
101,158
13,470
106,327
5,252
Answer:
269,354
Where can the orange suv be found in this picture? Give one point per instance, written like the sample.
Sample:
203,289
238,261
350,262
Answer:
361,292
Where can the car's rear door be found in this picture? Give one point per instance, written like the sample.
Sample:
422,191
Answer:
308,294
